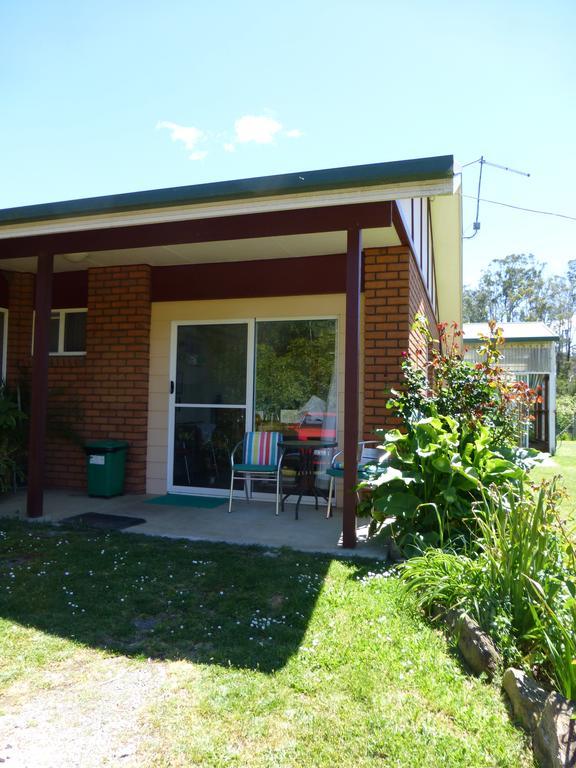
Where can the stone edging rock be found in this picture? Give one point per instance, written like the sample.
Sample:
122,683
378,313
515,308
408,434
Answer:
474,644
549,717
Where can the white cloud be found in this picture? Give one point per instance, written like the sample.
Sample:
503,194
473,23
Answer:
260,130
255,129
189,135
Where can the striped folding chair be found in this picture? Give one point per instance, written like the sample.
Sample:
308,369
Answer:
261,459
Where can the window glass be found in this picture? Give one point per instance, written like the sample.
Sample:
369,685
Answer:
74,331
211,364
296,378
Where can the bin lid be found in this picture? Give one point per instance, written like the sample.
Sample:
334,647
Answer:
105,446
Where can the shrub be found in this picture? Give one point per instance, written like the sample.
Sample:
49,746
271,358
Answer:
434,474
566,415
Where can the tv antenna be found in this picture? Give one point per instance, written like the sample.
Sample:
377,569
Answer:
483,162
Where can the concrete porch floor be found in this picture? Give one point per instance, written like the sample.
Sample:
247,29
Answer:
249,523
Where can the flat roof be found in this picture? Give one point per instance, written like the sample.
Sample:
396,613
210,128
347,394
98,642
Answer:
348,177
534,331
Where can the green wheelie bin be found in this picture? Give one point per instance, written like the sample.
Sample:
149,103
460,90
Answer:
105,464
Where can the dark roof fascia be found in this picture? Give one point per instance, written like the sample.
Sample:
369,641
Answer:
374,174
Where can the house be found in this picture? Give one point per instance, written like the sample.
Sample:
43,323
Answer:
529,355
177,318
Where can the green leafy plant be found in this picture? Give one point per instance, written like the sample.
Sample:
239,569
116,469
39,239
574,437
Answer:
555,629
555,620
441,578
434,473
518,542
12,438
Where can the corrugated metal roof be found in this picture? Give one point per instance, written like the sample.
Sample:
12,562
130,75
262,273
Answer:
512,331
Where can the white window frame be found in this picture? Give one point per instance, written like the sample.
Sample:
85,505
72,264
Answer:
61,313
4,358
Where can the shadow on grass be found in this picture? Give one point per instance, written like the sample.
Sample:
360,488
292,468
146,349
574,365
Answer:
245,607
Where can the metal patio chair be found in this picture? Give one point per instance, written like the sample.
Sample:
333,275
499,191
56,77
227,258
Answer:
368,453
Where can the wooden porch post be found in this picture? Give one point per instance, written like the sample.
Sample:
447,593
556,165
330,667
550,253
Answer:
39,388
351,383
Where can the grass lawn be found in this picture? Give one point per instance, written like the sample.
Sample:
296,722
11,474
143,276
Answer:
275,658
564,465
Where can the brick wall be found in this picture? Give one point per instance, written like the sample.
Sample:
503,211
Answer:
393,294
65,458
117,352
103,394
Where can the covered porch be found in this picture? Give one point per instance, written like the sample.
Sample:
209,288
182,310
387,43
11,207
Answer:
147,262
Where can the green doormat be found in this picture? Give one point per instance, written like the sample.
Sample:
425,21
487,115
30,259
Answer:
183,500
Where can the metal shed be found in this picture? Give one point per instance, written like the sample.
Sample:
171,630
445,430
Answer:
529,354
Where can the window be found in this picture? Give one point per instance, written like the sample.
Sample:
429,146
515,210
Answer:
67,332
3,341
295,382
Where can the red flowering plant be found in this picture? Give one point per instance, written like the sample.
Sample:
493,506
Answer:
442,383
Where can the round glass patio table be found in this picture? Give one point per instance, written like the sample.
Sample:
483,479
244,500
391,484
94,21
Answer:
306,472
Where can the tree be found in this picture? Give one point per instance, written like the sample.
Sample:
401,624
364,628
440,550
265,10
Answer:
514,289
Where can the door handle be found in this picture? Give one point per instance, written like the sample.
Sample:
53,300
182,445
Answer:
171,387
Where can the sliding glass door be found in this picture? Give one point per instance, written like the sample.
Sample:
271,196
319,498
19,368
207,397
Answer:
211,401
232,377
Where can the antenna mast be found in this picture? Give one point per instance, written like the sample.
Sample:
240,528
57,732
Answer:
476,224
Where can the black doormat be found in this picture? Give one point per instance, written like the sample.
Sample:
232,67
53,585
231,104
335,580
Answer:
100,520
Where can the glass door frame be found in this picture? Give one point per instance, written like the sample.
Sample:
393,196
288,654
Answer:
248,406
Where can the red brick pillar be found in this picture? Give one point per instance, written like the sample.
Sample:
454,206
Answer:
117,362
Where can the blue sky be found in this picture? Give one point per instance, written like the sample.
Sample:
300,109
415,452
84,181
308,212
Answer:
105,97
